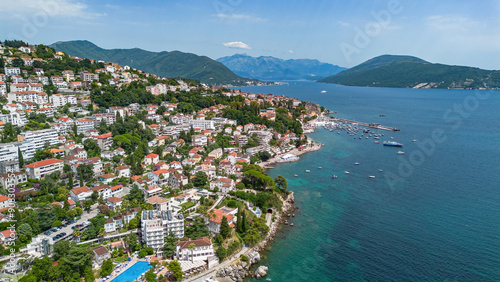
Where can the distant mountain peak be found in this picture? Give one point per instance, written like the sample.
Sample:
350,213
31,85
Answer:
271,68
407,71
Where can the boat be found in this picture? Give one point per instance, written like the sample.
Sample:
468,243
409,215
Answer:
392,144
376,142
371,176
308,171
414,140
401,153
380,170
356,163
346,172
323,91
319,167
334,176
295,175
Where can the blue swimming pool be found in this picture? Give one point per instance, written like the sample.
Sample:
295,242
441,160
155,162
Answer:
133,272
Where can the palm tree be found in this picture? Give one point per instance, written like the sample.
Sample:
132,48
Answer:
76,234
102,232
192,247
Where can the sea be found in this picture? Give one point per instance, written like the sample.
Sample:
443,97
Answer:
432,214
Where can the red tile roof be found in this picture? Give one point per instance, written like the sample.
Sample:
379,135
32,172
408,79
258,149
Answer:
44,163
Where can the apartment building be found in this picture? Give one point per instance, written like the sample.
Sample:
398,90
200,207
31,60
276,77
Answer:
39,169
156,225
40,137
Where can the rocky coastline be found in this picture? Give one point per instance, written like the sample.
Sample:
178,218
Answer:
243,269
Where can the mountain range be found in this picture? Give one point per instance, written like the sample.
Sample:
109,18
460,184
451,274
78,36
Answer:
167,64
407,71
271,68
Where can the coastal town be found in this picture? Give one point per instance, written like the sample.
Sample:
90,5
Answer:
109,173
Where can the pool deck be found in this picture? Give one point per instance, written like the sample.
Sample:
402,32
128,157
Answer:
115,273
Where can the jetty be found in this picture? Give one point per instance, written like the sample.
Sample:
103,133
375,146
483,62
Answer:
372,125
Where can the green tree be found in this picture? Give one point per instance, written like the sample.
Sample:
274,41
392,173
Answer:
133,223
239,221
150,275
192,247
221,253
252,237
245,224
106,268
200,179
224,230
42,154
175,268
21,158
281,182
61,249
170,244
85,171
70,180
25,229
92,148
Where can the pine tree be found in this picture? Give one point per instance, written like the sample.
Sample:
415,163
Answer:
239,222
21,159
81,180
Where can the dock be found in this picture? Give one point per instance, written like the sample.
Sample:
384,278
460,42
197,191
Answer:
372,125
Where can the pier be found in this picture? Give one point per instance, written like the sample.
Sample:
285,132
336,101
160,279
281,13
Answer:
372,125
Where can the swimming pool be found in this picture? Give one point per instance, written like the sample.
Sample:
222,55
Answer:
133,272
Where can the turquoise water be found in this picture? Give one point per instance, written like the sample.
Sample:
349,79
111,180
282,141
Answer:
133,272
430,215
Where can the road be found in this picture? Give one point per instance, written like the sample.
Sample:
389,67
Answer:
85,217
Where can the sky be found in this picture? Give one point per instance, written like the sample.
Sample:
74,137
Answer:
344,33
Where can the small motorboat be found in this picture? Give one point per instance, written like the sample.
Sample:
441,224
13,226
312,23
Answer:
308,171
414,140
356,163
334,176
295,175
401,153
380,170
371,176
346,172
376,142
319,167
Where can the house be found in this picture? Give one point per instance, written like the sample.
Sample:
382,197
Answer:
80,194
159,203
153,190
39,169
12,179
177,180
8,236
104,191
216,154
224,184
215,219
105,141
6,202
107,178
151,159
123,171
202,252
114,203
159,176
101,254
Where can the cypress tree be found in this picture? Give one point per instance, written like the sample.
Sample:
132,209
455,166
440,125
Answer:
70,180
245,223
21,159
239,222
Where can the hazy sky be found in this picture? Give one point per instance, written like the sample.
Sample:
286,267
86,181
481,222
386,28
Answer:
345,33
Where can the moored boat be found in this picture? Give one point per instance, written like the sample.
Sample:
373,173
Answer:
392,144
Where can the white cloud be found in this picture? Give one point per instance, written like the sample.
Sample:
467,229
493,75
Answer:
342,23
51,8
447,22
239,17
237,45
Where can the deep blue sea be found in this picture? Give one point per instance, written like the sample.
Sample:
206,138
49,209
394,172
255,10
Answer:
432,214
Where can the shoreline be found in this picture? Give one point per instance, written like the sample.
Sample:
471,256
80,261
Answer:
276,225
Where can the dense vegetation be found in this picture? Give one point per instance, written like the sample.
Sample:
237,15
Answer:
406,71
167,64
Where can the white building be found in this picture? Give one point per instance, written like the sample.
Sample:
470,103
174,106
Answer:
202,252
202,124
80,194
84,125
40,137
156,225
15,118
39,169
41,245
59,100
